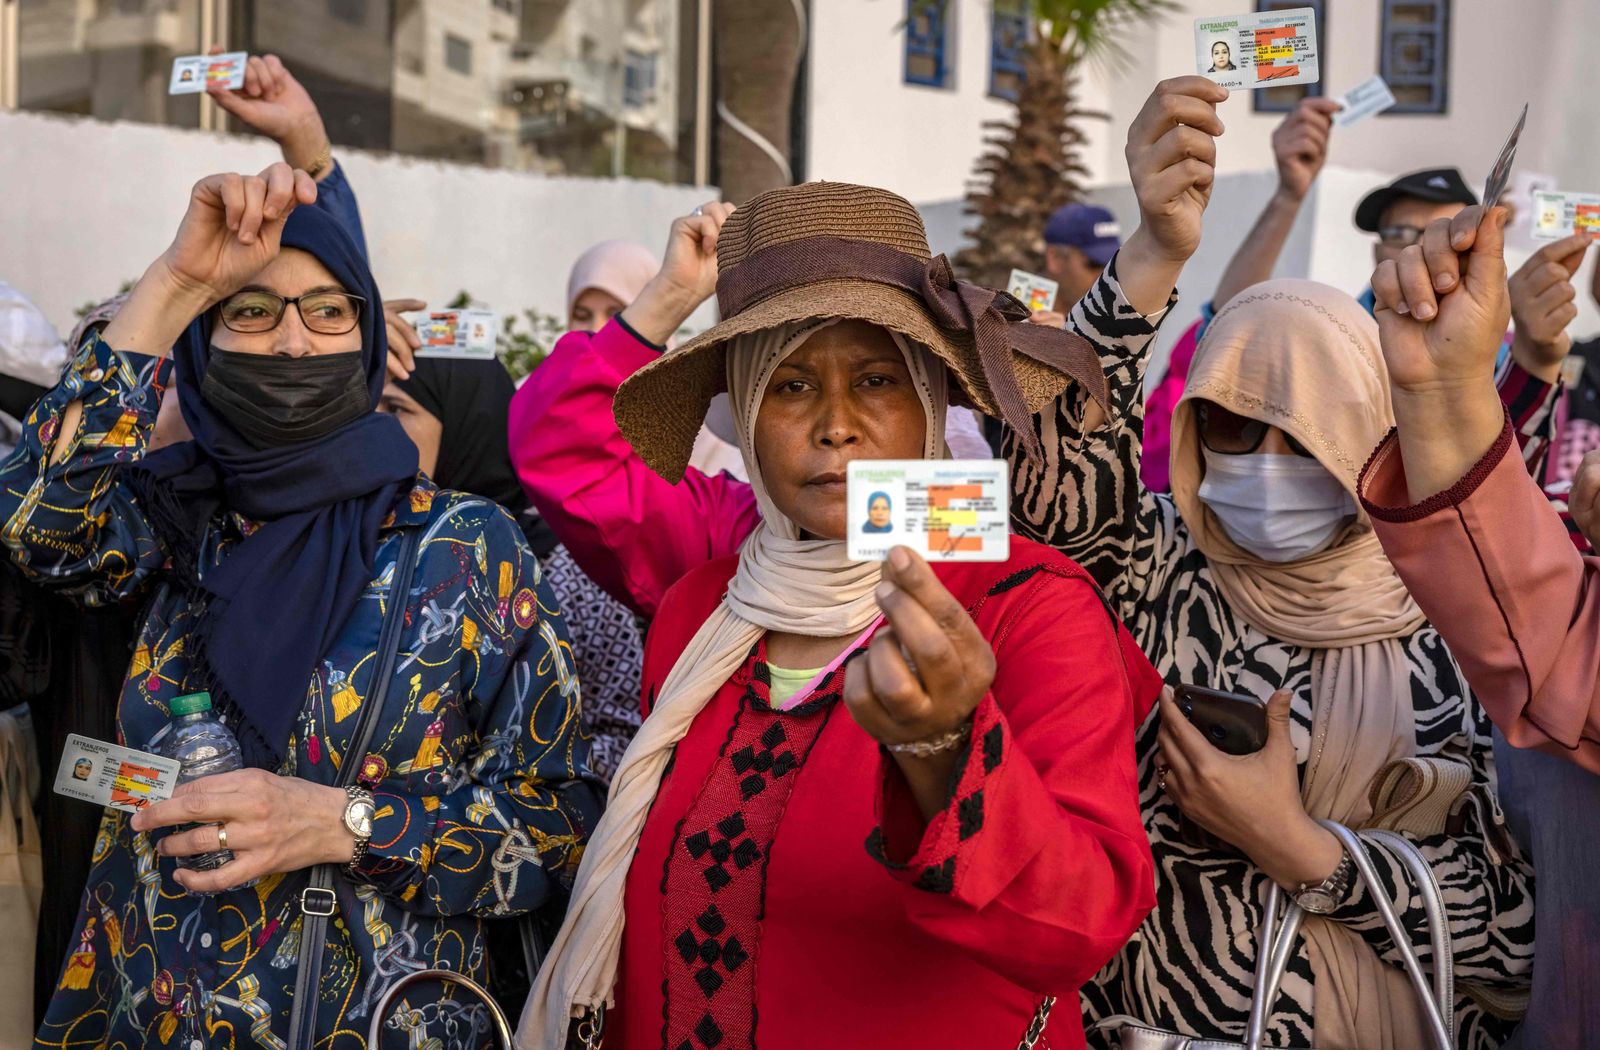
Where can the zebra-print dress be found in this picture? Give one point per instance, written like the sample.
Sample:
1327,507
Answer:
1190,965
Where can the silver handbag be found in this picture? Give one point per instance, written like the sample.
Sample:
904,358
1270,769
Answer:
1281,931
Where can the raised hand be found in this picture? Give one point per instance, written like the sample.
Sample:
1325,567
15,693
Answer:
233,227
687,277
274,103
1544,303
1443,306
404,342
1442,309
230,232
1172,154
1300,144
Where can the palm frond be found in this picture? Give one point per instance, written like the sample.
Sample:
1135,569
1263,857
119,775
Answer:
1097,29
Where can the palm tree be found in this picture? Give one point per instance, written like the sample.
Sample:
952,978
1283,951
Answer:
1032,162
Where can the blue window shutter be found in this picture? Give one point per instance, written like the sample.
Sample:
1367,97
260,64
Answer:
927,42
1414,54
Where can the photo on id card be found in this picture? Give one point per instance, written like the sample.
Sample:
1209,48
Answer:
944,509
1269,49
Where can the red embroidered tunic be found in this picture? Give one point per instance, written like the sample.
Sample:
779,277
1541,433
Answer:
786,894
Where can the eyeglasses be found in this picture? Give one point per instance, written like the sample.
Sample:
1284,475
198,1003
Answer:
1400,236
1230,434
326,313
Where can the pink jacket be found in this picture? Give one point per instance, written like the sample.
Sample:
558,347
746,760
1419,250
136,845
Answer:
1490,564
631,531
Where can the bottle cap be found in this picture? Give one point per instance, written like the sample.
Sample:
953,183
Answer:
191,704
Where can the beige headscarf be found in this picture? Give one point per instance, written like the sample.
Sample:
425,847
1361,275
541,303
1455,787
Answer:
1305,358
783,583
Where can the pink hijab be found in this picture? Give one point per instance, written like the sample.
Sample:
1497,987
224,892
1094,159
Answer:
621,269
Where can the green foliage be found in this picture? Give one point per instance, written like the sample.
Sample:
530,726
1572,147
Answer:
1084,29
524,340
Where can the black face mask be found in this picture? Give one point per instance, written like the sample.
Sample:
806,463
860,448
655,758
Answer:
274,400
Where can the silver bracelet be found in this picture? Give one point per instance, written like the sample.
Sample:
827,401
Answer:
935,745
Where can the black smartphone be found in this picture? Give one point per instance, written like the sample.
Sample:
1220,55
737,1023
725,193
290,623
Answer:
1231,722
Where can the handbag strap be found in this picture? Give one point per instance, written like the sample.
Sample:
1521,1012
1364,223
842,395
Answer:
502,1026
1041,1017
1277,938
1444,972
317,901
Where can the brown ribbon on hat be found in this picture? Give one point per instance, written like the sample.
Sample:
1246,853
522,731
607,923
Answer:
995,321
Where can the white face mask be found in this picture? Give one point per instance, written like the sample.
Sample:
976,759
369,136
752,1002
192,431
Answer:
1279,508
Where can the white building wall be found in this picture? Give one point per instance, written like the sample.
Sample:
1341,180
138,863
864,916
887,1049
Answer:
89,204
865,124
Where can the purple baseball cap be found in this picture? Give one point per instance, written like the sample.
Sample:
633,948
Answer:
1087,227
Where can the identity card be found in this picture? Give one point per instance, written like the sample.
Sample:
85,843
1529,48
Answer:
1039,293
1366,99
456,333
191,73
113,775
1557,215
1500,174
1268,49
944,509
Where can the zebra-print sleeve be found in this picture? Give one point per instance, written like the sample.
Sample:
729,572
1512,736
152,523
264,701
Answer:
1085,499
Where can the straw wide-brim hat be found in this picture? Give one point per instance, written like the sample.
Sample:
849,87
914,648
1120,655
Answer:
834,250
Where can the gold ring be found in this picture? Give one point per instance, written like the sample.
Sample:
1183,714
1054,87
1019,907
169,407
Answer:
1161,777
222,836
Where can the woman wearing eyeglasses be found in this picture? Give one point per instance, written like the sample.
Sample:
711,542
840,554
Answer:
265,552
1260,574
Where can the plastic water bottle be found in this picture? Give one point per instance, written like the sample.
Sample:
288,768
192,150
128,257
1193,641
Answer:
202,745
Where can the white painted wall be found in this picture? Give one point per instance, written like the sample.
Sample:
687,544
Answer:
88,205
867,125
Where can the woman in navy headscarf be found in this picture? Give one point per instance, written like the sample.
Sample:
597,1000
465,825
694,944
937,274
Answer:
265,552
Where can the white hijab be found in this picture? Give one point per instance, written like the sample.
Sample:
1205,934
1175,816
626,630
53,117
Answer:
783,583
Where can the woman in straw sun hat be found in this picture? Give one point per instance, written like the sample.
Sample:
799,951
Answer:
861,787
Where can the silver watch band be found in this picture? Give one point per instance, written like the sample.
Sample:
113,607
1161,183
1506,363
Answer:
356,796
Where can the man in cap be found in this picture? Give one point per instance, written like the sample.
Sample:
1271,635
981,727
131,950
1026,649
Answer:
1079,239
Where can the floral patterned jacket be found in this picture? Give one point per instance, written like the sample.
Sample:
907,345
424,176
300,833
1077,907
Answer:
484,794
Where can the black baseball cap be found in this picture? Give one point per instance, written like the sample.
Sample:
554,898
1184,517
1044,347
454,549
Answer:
1441,185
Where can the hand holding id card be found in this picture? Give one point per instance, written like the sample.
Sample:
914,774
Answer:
1269,49
944,509
1557,215
113,775
1039,293
191,73
470,334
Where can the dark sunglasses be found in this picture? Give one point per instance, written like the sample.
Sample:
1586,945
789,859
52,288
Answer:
326,313
1230,434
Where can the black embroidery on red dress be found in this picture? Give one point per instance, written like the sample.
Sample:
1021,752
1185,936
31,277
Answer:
713,884
977,759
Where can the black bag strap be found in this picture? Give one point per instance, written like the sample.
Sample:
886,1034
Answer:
317,901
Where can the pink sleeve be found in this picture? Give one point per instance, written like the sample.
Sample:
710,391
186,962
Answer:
630,530
1158,407
1489,563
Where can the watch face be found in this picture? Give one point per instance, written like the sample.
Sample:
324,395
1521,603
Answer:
1317,901
358,818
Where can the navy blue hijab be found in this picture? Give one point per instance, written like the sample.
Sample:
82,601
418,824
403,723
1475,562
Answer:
269,612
